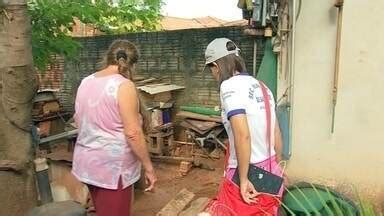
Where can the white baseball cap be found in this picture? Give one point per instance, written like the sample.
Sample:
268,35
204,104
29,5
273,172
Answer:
218,49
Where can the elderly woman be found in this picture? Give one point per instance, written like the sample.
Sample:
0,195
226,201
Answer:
110,147
254,137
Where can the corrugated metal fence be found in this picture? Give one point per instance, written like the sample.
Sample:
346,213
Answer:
176,56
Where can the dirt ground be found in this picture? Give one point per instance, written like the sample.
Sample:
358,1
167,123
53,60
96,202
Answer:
203,183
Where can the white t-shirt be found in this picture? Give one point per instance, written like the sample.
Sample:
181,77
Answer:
242,94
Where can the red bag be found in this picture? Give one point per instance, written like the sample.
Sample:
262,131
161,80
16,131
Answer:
229,201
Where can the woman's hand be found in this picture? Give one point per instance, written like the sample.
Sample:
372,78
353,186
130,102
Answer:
150,179
248,192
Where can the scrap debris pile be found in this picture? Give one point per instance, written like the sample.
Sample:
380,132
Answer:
199,129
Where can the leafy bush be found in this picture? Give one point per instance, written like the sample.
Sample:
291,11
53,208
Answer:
52,22
310,199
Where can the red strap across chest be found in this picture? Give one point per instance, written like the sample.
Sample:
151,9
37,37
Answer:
268,129
268,120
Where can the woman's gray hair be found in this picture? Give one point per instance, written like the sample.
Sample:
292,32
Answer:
124,54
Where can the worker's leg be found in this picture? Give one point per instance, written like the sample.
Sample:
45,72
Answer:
112,202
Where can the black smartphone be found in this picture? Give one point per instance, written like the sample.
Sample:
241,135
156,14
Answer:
262,180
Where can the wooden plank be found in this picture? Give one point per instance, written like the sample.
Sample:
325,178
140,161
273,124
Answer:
163,97
172,158
160,88
184,143
177,204
9,165
202,125
198,116
189,126
253,32
196,207
143,82
164,126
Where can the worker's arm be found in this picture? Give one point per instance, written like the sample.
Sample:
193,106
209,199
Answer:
129,112
279,149
278,142
234,105
242,138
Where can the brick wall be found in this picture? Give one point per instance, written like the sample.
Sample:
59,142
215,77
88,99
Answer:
176,56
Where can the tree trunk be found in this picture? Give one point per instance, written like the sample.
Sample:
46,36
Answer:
17,89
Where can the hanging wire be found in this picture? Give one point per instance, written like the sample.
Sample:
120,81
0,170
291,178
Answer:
298,10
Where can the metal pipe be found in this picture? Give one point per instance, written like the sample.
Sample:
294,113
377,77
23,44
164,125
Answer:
44,187
66,134
254,56
264,13
339,5
292,72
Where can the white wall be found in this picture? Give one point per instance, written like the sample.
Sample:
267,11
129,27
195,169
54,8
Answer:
354,153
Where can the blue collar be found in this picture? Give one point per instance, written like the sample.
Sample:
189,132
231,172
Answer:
243,74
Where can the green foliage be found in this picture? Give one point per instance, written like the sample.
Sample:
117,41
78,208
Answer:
313,200
366,208
129,16
52,22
